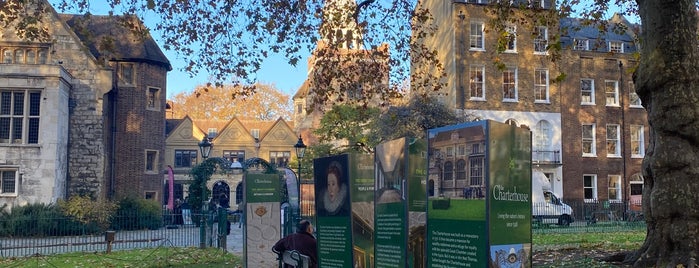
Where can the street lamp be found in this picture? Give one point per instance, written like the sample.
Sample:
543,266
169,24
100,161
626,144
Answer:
300,152
205,146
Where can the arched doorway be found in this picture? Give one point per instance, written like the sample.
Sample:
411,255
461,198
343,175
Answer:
221,194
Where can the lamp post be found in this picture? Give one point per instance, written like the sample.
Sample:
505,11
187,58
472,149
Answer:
205,147
300,152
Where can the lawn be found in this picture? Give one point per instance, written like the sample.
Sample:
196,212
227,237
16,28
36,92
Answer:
154,257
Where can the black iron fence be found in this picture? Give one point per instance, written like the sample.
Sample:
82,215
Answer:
587,216
44,236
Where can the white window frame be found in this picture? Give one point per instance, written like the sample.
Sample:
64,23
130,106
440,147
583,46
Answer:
255,133
581,44
614,185
588,140
474,71
634,99
611,93
541,86
613,140
592,187
638,146
511,35
616,46
509,79
477,36
587,91
9,170
541,40
543,136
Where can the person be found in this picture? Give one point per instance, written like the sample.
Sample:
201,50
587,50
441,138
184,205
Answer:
334,198
302,241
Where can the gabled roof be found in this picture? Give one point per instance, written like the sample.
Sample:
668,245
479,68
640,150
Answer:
109,38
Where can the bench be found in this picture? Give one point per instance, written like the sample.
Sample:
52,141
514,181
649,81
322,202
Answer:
294,258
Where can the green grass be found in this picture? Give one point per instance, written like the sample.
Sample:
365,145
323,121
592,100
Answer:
155,257
460,209
612,240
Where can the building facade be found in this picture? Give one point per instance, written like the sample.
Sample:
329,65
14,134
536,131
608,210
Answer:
235,140
512,73
79,117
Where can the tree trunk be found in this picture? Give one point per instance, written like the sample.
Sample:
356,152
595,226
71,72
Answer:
666,81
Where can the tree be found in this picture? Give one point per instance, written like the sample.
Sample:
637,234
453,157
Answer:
415,118
216,103
667,82
348,126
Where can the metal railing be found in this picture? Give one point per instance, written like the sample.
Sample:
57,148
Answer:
54,235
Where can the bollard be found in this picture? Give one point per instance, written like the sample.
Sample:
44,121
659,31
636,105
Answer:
109,238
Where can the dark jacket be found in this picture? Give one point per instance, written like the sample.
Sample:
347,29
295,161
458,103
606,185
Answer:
302,242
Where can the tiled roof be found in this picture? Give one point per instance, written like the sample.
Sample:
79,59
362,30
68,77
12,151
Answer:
108,37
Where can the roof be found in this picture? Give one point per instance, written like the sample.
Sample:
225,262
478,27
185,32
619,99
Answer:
575,28
109,37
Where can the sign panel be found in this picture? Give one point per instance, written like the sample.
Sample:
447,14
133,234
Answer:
333,222
262,188
391,205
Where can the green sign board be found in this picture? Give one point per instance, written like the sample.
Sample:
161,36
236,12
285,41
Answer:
479,196
333,222
262,188
390,159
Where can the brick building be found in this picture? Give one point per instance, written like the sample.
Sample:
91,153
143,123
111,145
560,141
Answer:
82,112
588,145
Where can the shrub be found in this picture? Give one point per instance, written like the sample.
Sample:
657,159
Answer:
88,211
137,214
39,220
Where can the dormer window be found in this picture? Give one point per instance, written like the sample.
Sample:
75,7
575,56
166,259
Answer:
616,47
581,44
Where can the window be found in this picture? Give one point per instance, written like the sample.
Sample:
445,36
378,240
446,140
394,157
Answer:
477,149
634,99
543,134
541,39
151,161
511,38
476,170
299,108
461,169
127,73
637,141
511,122
541,85
150,195
8,182
616,47
185,158
19,56
7,55
43,56
477,84
636,184
234,155
615,188
590,187
461,151
477,38
581,44
153,98
587,91
450,151
212,133
255,133
281,159
448,171
611,92
19,116
509,84
613,148
588,140
31,56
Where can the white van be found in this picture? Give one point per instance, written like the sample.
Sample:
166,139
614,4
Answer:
547,208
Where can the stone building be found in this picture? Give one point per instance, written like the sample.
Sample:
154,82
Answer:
522,80
235,140
81,113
